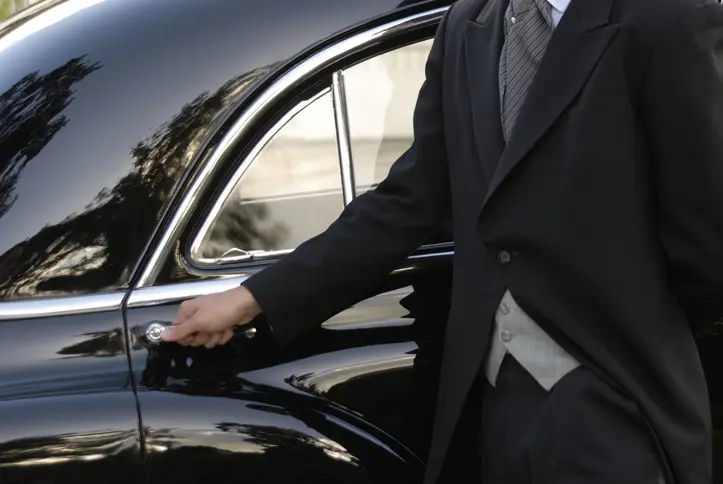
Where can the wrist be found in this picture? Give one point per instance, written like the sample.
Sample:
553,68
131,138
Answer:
247,303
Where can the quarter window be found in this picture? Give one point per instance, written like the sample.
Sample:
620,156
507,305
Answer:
290,187
286,192
381,95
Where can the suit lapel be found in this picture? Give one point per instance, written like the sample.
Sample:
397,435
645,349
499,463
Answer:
484,37
575,48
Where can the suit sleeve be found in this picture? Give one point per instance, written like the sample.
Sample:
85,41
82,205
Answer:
375,233
683,117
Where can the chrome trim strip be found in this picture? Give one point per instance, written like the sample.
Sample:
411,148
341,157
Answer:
343,138
246,256
175,293
231,185
281,198
296,75
439,246
60,306
449,253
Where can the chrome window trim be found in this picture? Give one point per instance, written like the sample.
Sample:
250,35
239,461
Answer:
233,182
60,306
178,292
245,256
293,77
343,137
181,291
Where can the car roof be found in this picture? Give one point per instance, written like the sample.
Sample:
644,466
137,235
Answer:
105,102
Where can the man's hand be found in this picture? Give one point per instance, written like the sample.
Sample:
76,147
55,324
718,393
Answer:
209,320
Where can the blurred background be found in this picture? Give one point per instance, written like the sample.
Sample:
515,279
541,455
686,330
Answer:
9,7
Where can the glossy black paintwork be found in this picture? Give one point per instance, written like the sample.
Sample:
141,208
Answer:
349,402
103,109
67,408
66,439
48,356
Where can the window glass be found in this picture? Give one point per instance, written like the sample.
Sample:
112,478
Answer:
289,193
381,95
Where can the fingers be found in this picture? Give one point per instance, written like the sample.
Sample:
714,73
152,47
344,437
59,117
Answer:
209,340
186,341
186,311
181,331
200,339
213,340
184,325
226,337
205,321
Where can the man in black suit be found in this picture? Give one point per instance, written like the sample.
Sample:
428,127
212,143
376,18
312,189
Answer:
588,229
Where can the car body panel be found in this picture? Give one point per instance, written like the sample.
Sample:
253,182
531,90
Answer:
346,403
67,406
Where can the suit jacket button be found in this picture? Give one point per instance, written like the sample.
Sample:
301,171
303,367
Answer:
504,257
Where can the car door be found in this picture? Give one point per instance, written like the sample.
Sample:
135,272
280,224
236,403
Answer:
352,400
67,409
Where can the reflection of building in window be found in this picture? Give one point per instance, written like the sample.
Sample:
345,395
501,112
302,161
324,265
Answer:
381,95
10,7
301,158
290,192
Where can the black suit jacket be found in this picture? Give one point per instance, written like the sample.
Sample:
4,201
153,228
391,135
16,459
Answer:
609,196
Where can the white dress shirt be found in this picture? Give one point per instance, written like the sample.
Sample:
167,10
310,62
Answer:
558,8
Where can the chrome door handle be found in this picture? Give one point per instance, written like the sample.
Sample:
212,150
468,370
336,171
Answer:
151,333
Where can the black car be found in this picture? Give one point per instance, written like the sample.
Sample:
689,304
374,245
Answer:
154,151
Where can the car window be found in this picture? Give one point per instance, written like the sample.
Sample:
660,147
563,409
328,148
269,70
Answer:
380,124
287,190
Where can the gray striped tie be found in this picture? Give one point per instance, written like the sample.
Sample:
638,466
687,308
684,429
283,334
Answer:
528,28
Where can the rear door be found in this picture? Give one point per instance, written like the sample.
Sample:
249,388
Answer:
352,400
67,409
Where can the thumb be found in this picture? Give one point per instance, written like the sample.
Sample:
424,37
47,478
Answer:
179,331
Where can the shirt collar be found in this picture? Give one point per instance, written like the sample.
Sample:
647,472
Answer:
559,5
